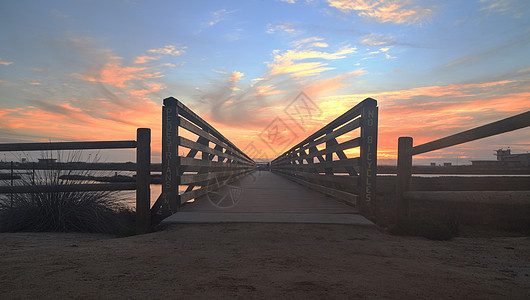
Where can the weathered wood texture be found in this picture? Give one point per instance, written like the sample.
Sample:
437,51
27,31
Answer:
210,161
406,150
143,181
311,162
267,192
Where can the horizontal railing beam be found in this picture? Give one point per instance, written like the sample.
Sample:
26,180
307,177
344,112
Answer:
194,118
184,142
22,189
67,146
191,163
75,166
509,124
200,132
347,116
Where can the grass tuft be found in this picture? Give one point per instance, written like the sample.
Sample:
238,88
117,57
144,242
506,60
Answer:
93,211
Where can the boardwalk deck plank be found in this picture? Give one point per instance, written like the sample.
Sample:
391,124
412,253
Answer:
268,197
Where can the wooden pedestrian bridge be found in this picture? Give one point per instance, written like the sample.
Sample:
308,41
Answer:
329,177
316,181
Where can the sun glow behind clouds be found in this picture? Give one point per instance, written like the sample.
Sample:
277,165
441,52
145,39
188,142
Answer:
434,70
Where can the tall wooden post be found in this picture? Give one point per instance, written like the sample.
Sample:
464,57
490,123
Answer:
368,170
170,202
143,180
404,172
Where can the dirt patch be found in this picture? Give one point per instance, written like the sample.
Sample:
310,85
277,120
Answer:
244,261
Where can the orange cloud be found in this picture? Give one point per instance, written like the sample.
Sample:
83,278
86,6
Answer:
429,113
267,90
398,11
236,76
144,59
113,73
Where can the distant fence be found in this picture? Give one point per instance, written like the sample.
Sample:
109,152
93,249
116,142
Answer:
406,151
143,177
351,179
220,161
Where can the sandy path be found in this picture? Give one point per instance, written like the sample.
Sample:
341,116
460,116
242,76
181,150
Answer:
297,261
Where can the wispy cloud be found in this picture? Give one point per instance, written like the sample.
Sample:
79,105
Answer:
5,63
282,27
236,76
398,11
377,39
481,54
288,62
219,15
145,58
311,42
396,71
115,74
503,7
169,50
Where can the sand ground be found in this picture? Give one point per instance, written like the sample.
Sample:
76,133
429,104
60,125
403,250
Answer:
256,261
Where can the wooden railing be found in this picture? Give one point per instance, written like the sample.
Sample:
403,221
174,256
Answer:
143,177
220,161
406,151
351,179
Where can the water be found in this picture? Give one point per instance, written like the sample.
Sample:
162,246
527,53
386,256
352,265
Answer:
129,197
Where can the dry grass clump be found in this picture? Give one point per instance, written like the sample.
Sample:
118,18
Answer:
93,211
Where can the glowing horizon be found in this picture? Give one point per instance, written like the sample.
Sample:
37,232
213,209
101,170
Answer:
434,69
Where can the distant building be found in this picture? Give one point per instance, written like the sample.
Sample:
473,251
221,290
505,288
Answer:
505,159
447,164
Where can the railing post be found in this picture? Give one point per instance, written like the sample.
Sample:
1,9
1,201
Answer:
143,180
368,170
170,174
404,172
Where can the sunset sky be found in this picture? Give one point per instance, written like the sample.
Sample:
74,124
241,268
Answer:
97,70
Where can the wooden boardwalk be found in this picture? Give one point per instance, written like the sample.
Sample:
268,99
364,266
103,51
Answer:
263,196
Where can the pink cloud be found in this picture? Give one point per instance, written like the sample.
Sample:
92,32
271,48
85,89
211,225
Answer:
145,58
113,73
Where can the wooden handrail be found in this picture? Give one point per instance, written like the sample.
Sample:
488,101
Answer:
298,163
406,150
505,125
67,146
231,161
143,170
